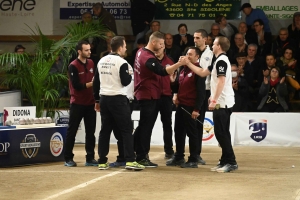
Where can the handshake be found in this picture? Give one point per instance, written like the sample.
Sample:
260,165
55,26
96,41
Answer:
184,60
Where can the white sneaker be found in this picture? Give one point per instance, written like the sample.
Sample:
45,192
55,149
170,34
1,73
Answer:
227,168
213,169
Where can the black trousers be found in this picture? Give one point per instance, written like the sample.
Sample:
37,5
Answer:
77,112
165,109
142,134
221,119
186,125
115,115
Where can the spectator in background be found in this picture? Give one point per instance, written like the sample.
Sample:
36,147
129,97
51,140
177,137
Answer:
264,39
236,47
215,31
270,63
172,50
154,26
249,35
183,39
105,17
19,49
253,14
289,64
209,41
141,42
241,91
86,18
294,28
283,40
226,29
273,91
109,35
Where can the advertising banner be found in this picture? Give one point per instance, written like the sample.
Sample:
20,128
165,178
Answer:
30,146
277,9
14,114
73,9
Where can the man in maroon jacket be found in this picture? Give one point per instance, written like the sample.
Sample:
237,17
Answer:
148,91
165,105
189,99
81,74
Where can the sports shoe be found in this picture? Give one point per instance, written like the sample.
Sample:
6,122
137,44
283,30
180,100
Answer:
227,168
70,163
174,162
200,161
168,156
147,163
103,166
213,169
189,165
91,163
134,165
117,164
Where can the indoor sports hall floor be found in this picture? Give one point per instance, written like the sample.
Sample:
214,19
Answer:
265,173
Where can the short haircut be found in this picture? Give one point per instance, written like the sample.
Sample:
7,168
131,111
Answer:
197,50
97,5
224,43
259,21
168,34
154,22
80,43
270,54
116,43
215,24
156,35
202,32
253,45
284,29
241,54
219,18
86,13
243,23
239,34
182,25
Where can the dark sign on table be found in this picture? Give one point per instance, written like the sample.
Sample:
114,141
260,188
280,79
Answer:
197,9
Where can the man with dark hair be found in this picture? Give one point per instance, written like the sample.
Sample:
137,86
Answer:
253,14
283,40
114,73
154,26
172,49
226,29
81,73
264,39
19,49
147,91
189,97
206,56
221,101
183,39
215,31
105,17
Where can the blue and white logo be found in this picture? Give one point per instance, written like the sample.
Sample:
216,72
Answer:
258,129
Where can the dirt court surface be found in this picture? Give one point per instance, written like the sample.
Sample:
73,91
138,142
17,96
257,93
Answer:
267,173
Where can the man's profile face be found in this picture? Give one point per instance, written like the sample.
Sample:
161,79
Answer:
158,44
247,11
123,50
199,40
86,51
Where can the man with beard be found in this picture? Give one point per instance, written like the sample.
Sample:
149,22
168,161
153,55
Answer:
147,70
81,73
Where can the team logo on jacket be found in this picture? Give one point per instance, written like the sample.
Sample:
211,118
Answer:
91,70
208,129
258,129
30,146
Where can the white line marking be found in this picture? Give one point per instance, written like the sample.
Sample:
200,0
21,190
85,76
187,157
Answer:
83,184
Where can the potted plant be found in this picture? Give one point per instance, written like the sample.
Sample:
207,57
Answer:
30,73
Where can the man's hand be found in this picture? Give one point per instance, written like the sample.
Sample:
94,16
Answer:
175,100
235,85
195,115
212,105
282,80
173,77
266,80
97,107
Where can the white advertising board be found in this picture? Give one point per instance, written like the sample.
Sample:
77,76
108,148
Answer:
14,114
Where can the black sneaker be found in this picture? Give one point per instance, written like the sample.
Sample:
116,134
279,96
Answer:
200,161
174,162
70,163
227,168
189,165
147,163
168,156
91,163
